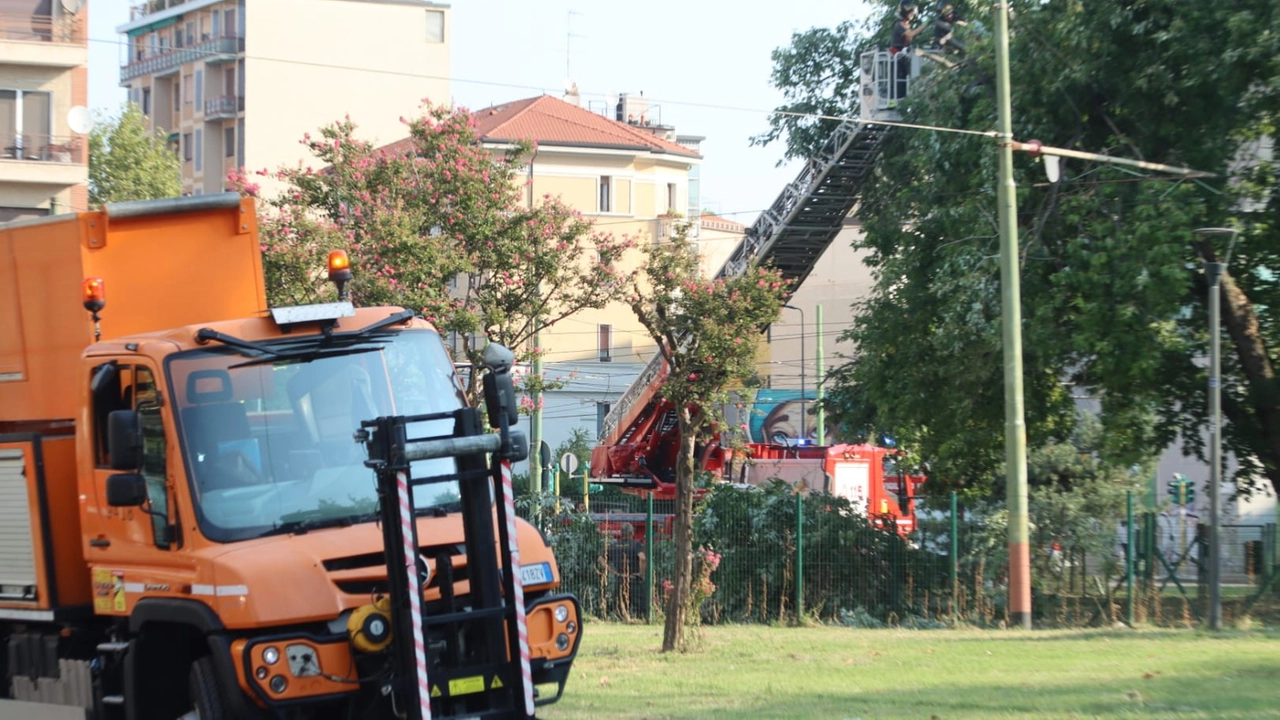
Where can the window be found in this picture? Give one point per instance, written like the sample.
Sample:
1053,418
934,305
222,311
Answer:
229,23
178,37
602,411
146,101
177,94
199,150
671,197
605,203
186,88
200,90
435,26
217,24
26,120
191,32
229,142
153,462
604,341
186,147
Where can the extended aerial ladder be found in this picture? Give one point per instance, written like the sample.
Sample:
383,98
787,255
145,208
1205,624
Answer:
638,442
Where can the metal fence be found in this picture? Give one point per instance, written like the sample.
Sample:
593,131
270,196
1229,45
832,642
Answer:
775,557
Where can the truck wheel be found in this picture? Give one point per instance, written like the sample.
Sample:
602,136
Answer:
203,685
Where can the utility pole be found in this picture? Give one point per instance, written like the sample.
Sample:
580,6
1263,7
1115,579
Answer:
535,416
821,379
1015,431
803,434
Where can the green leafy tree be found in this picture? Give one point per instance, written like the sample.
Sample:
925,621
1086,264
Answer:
706,332
1113,292
129,162
439,225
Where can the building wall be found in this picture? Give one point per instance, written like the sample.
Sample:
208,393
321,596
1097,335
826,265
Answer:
43,49
396,67
573,345
839,279
304,64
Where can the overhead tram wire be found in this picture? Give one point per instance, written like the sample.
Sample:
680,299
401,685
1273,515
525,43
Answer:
545,90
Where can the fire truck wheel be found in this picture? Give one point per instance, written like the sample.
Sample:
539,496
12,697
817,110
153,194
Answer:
203,683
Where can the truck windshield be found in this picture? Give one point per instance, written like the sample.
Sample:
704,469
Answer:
269,445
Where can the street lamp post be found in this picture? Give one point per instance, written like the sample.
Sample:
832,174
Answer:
1213,273
804,435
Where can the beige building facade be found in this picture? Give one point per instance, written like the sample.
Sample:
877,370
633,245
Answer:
238,83
43,76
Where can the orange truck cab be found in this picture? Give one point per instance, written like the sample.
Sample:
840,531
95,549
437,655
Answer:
189,525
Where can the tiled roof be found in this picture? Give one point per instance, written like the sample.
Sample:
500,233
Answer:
715,222
548,120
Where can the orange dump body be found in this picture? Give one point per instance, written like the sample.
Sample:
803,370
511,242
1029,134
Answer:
159,271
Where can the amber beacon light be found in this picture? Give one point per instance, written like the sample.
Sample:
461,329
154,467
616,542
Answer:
340,272
95,299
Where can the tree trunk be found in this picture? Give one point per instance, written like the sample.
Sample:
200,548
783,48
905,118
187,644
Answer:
1242,325
681,584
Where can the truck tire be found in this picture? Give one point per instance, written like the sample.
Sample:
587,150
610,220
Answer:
203,685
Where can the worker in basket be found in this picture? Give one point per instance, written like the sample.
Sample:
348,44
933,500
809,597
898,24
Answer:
900,46
944,27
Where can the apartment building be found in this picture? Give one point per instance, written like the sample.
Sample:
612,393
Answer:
237,83
43,76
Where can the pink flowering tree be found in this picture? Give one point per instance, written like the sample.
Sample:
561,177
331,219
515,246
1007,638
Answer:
440,225
707,331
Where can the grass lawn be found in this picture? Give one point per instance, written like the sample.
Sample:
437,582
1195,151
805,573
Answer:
753,671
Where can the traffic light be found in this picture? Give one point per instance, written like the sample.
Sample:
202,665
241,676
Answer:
1181,490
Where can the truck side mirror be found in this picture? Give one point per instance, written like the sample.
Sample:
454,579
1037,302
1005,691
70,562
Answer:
126,490
499,398
124,440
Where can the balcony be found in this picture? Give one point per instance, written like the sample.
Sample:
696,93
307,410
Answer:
211,50
43,159
43,40
223,107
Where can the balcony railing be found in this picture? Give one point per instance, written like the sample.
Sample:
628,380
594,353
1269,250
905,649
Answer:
213,49
223,106
41,28
66,150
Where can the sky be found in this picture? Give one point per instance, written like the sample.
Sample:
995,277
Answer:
695,59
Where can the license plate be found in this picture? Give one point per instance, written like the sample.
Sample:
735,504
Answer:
536,574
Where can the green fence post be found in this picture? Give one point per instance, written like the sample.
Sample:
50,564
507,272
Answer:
648,563
1128,554
954,560
799,557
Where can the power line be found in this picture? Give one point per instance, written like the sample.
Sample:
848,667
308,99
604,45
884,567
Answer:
544,90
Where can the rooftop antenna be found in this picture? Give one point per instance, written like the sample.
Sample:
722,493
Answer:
568,43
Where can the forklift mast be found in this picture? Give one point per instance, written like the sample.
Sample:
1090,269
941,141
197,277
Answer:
467,657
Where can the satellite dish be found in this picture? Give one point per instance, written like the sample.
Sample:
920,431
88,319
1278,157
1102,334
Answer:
79,120
72,6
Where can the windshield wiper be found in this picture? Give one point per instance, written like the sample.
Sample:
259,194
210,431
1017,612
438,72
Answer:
303,346
304,525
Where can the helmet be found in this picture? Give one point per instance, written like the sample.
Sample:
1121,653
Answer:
905,8
947,9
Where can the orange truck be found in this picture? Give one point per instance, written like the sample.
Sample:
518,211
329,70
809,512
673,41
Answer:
215,510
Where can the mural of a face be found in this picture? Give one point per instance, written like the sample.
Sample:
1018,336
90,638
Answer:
776,417
782,424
